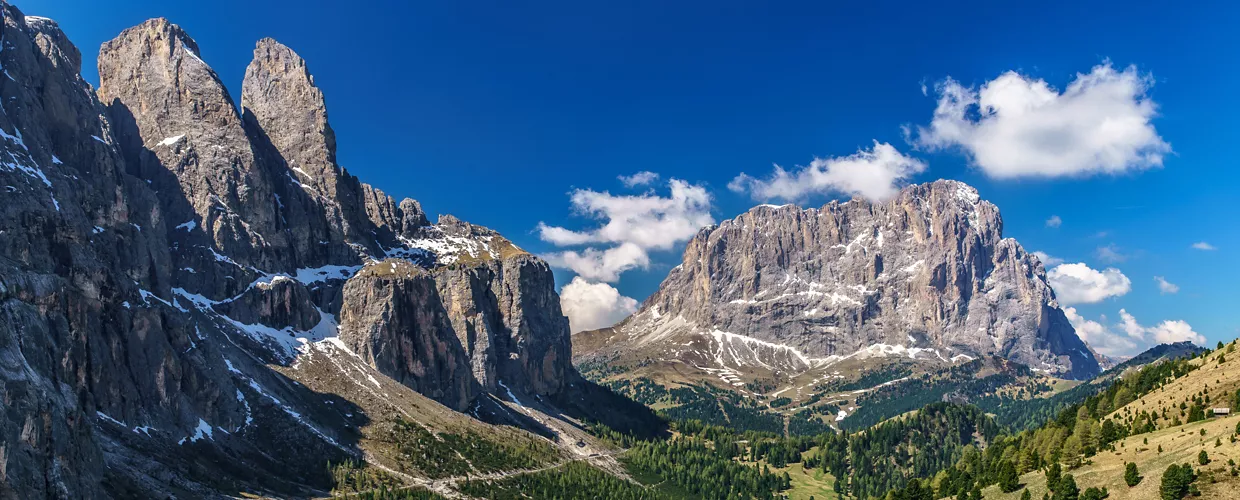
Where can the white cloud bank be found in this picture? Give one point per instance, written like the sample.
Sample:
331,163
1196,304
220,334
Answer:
1080,284
629,227
632,225
876,174
1128,336
590,306
1201,245
1017,126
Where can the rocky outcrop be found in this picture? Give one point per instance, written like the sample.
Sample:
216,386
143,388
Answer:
394,319
926,275
508,317
166,262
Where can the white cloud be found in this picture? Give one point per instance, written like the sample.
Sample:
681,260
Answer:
631,226
1201,245
639,179
601,265
1175,331
1111,254
648,221
1129,337
590,306
876,174
1047,260
1054,221
1018,126
1079,284
1165,286
1130,325
1099,336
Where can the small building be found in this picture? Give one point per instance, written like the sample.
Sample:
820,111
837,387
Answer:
1220,412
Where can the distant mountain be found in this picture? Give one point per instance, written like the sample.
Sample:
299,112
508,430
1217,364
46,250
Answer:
782,290
201,302
1159,352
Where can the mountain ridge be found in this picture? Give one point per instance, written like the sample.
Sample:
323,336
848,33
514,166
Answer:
199,301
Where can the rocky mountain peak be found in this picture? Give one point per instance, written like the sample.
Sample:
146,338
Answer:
179,281
279,92
926,275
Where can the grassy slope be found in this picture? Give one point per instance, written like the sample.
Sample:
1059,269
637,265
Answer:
1180,444
805,484
1217,380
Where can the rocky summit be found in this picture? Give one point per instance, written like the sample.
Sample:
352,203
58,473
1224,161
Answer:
781,291
199,301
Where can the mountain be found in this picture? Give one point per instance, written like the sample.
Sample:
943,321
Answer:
199,301
797,303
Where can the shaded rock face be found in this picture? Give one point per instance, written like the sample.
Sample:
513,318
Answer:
927,274
160,253
394,319
508,317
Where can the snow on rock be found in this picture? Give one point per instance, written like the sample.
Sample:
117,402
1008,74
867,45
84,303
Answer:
308,276
171,140
202,431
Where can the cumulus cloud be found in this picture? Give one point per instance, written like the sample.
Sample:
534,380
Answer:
1080,284
1100,337
1048,261
1128,336
1054,221
875,174
1165,286
630,227
647,220
601,265
1019,126
639,179
1175,331
591,306
1201,245
1111,254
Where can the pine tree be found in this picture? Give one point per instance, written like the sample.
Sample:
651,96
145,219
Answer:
1131,476
1052,476
1071,454
1175,482
1203,458
1066,489
1094,494
1009,481
1026,495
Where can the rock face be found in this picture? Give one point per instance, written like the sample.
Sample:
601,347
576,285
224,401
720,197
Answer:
394,319
926,275
166,263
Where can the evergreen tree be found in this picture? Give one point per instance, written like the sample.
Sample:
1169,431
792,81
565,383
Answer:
1052,477
1026,495
1009,481
1203,458
1066,489
1176,481
1131,476
1071,453
1095,494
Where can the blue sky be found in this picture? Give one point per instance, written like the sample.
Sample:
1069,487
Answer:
497,112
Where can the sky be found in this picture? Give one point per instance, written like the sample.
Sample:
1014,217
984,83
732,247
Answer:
602,135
